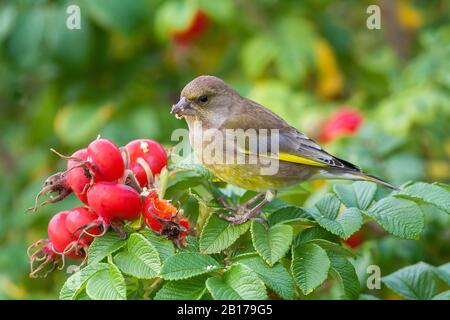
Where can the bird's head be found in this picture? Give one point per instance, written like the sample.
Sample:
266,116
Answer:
204,98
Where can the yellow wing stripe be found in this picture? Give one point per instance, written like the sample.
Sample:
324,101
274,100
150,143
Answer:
288,157
298,159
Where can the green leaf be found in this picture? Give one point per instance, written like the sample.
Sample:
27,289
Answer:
273,243
276,278
400,217
27,37
103,246
310,265
117,14
257,54
332,247
219,234
416,282
356,195
429,193
326,212
442,296
186,265
107,284
368,297
187,289
314,233
345,274
140,260
290,214
443,272
76,124
164,246
76,283
237,283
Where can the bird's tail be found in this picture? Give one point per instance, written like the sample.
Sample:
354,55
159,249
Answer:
355,175
367,177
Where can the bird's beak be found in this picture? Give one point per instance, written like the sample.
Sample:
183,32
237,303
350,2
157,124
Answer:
183,108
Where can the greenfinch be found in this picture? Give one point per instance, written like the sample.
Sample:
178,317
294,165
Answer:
208,103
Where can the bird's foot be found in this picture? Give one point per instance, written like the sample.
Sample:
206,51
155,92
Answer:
245,212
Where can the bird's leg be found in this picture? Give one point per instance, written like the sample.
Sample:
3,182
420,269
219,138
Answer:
242,207
245,212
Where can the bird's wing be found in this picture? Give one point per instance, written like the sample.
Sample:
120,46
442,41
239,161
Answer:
294,146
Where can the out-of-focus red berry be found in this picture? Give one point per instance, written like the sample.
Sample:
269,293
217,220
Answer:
355,240
345,121
198,25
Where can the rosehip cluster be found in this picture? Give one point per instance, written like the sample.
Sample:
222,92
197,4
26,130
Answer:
116,186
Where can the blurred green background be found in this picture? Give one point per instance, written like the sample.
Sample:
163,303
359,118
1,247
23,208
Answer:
120,73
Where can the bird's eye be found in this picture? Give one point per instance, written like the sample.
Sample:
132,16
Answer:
203,99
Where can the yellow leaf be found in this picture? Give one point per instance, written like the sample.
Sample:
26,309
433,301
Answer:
329,78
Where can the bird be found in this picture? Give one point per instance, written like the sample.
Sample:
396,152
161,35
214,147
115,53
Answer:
208,104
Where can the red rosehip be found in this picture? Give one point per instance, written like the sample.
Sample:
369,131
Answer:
78,177
65,239
345,121
58,233
106,160
79,219
146,159
113,201
198,25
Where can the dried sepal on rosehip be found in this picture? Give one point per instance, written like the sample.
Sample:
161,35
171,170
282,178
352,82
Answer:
164,218
42,254
56,183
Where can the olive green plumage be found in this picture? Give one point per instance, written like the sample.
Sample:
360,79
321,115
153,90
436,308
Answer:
210,100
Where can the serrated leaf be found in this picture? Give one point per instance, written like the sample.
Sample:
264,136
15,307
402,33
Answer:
344,224
107,284
415,282
237,283
76,283
276,278
400,217
332,247
191,244
273,243
140,260
164,246
314,233
187,265
103,246
429,193
310,266
219,234
442,296
356,195
345,274
187,289
290,214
